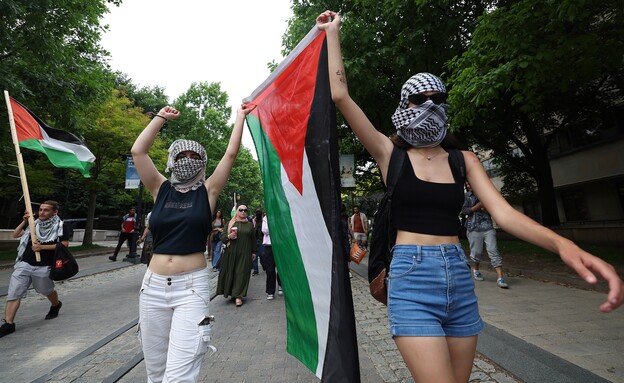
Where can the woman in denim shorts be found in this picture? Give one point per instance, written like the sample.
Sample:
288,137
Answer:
432,306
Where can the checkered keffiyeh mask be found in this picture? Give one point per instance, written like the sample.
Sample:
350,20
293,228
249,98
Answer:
186,173
424,125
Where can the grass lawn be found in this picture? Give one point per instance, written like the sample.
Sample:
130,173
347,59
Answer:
9,255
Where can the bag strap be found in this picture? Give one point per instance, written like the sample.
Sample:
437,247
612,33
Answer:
458,167
394,169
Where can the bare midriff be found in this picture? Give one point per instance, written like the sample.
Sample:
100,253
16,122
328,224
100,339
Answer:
168,264
408,238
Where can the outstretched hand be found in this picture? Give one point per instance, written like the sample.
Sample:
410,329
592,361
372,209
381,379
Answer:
169,113
328,20
587,266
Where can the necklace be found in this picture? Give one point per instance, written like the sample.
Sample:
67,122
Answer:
429,158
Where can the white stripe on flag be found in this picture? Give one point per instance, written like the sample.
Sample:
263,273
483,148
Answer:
315,245
82,153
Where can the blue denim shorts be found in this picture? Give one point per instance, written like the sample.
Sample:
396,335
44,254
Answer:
431,292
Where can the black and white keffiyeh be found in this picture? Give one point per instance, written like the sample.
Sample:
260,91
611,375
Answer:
424,125
186,173
47,231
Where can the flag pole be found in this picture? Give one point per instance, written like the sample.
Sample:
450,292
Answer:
22,173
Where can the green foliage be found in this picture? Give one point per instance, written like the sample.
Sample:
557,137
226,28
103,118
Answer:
384,43
204,116
149,98
535,69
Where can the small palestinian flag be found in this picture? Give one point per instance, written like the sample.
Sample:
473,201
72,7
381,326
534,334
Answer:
294,130
63,149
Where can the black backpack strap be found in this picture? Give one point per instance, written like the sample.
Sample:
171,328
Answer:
458,166
394,168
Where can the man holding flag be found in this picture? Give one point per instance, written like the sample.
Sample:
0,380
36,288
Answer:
28,270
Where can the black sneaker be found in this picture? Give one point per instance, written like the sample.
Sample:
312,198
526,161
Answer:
54,310
6,328
112,258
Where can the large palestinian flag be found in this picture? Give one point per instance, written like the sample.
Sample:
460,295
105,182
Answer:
294,130
63,149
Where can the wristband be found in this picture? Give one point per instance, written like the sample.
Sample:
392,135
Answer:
164,118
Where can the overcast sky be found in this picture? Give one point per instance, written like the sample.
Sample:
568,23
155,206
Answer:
173,44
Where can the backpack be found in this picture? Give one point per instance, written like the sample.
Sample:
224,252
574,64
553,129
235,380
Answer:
384,232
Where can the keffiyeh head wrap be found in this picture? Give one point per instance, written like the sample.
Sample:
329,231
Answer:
186,173
424,125
47,231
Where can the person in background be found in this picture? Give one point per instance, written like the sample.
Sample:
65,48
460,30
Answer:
146,240
240,252
358,226
432,306
28,271
480,230
128,222
218,223
257,222
269,262
175,325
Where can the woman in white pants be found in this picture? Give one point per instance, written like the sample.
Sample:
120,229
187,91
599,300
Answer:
173,322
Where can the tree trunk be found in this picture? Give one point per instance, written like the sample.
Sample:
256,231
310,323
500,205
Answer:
545,188
88,235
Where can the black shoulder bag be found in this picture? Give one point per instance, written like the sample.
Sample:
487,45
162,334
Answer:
384,232
64,265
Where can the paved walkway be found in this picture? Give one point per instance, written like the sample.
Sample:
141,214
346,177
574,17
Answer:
536,332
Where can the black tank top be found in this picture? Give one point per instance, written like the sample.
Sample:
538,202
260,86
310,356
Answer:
426,207
180,222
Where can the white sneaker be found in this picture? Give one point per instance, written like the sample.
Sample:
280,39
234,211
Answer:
270,297
279,291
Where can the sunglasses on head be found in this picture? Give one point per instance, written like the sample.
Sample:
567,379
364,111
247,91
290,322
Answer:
419,98
243,210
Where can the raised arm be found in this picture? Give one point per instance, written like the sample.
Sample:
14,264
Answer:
523,227
377,144
216,181
151,178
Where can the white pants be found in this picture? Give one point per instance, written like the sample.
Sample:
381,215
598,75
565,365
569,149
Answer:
171,309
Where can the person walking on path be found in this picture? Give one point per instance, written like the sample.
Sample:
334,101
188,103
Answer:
128,223
269,262
432,306
146,240
480,230
218,224
358,226
257,224
174,322
50,230
239,253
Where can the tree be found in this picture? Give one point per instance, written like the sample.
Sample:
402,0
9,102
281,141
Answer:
50,60
114,126
536,69
384,43
204,118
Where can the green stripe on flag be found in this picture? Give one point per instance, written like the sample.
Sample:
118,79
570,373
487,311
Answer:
58,158
302,339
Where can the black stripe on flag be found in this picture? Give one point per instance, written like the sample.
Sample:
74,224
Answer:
341,362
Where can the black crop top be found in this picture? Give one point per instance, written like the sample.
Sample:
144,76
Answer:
426,207
180,222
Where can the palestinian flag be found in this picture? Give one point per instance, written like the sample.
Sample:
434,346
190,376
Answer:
294,130
63,149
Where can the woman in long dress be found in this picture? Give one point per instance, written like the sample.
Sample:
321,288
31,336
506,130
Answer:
236,261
